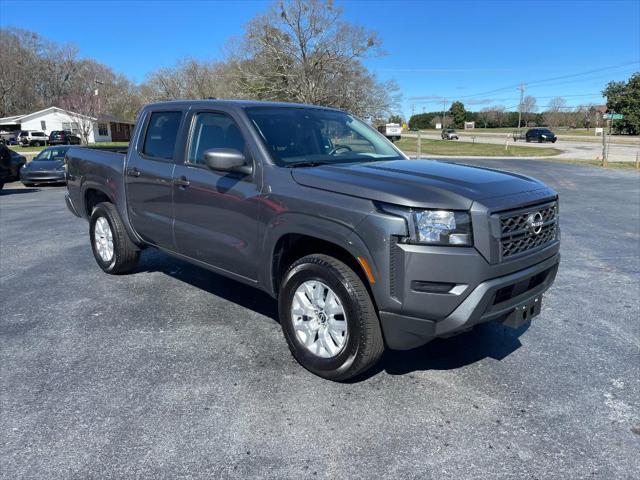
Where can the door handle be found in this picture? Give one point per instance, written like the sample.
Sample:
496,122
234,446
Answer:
133,172
181,182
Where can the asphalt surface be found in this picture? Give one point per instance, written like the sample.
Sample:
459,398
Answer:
572,149
175,372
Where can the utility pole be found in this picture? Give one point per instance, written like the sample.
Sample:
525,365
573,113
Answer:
97,94
521,88
604,148
444,112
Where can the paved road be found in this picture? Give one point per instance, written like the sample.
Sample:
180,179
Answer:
572,149
174,372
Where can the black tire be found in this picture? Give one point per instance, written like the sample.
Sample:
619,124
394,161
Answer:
28,184
364,343
125,253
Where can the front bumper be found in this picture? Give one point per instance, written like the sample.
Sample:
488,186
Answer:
492,299
43,177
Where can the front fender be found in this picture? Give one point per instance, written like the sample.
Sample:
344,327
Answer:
331,231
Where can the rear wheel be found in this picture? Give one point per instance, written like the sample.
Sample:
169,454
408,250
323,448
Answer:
112,248
328,318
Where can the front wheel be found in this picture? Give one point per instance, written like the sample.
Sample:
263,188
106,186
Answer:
328,318
114,252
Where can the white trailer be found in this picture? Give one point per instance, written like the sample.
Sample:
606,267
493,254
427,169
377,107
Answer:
393,131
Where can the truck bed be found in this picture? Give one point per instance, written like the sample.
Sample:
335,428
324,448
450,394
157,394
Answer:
100,168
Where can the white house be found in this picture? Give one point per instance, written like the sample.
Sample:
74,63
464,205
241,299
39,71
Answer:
105,129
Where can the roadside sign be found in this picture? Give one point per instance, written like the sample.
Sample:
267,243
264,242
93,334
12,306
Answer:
612,116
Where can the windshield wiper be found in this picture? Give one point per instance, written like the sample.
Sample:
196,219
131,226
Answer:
307,164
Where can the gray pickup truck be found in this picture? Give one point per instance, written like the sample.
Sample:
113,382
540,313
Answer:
362,247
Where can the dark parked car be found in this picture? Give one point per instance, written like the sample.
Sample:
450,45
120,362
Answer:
361,247
63,137
17,162
10,164
449,134
47,167
540,135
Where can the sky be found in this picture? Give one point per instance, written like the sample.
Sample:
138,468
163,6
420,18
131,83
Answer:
477,52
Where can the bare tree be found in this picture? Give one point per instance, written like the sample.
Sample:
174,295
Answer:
529,106
590,116
487,115
37,74
18,76
188,79
302,50
499,111
555,115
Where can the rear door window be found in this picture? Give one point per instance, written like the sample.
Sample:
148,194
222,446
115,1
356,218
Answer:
162,132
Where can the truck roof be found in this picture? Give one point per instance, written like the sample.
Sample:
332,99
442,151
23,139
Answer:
237,103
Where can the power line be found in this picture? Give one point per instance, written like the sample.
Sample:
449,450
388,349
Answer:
508,99
561,77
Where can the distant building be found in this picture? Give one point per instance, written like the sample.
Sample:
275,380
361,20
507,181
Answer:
104,129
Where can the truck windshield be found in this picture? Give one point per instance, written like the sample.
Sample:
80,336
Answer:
313,136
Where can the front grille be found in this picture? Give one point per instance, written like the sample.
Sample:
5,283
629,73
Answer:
516,223
527,229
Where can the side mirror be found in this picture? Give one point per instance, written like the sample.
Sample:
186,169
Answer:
227,160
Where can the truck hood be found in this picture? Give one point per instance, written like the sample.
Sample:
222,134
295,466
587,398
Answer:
423,183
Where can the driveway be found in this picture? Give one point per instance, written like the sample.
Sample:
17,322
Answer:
175,372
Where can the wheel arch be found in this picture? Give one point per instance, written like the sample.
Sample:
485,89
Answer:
285,246
92,195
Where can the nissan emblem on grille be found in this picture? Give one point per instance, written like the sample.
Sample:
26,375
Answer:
526,229
535,222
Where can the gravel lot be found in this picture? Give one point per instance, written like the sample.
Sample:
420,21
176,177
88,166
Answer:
175,372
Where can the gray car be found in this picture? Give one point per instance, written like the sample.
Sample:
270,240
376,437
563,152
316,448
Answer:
47,167
362,248
449,134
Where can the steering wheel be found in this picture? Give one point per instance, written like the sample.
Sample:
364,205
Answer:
336,148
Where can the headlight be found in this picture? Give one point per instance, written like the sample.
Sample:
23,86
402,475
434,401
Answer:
442,227
434,227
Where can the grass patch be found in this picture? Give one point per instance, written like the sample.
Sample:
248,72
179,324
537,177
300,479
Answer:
20,149
455,148
109,144
597,163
